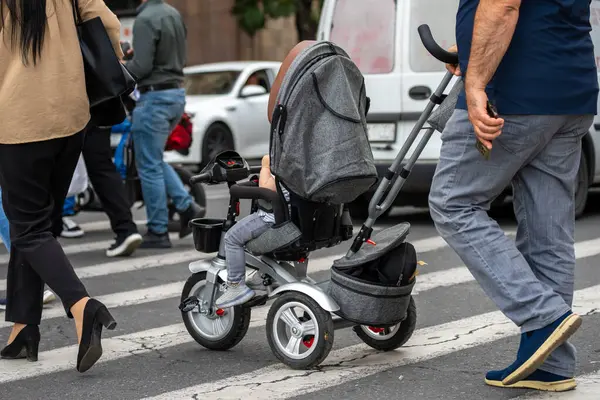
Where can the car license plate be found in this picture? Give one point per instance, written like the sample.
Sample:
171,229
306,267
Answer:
382,133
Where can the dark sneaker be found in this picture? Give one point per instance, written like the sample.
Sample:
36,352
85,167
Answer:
2,304
539,380
193,212
125,245
71,229
153,240
536,346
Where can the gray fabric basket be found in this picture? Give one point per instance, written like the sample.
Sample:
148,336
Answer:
367,303
370,303
440,116
274,238
319,146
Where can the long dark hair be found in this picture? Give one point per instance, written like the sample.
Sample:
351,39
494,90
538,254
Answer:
28,26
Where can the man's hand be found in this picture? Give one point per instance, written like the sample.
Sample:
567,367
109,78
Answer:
486,128
454,68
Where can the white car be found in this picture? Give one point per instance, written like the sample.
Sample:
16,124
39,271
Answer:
229,105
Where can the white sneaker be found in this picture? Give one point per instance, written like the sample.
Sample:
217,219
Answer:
71,229
125,246
49,296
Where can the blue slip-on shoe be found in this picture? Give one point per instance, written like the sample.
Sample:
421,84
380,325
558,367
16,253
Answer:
2,304
539,380
536,346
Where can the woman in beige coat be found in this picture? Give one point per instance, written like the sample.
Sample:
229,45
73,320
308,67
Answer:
44,112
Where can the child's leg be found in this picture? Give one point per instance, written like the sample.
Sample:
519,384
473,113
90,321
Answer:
241,233
246,229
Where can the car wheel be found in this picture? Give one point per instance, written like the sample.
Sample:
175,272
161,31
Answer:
217,139
582,185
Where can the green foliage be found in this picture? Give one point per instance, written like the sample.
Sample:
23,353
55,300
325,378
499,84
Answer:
252,15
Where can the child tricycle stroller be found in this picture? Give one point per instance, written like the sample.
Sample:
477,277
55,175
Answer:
370,288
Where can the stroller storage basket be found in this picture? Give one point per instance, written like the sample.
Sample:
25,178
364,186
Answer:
369,303
207,234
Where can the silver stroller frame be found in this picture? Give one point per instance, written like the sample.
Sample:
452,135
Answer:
288,281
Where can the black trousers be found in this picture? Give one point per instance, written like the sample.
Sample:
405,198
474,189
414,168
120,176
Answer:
107,182
35,179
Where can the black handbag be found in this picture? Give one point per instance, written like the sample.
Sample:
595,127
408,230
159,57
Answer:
106,77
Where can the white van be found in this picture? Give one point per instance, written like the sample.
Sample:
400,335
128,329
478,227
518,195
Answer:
382,39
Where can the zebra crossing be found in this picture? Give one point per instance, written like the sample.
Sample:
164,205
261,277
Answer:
460,334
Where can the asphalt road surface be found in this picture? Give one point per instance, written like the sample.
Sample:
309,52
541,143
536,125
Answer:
459,336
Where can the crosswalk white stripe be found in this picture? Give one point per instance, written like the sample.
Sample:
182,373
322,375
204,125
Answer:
103,225
588,388
426,343
89,247
133,264
359,361
121,299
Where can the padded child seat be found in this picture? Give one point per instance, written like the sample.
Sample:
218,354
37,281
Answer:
307,227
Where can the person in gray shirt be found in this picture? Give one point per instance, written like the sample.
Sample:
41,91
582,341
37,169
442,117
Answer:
158,58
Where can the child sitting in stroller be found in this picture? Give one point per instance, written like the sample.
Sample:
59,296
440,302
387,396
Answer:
248,228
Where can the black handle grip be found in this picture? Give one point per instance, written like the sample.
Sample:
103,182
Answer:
200,178
434,48
255,170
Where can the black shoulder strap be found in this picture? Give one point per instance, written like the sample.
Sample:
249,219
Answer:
76,14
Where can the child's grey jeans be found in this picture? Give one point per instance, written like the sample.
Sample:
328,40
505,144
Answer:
246,229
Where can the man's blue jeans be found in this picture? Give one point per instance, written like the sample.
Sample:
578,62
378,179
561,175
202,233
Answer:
532,280
4,226
154,117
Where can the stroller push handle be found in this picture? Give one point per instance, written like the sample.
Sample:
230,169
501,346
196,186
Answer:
434,48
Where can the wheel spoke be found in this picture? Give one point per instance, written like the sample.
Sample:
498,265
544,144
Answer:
293,345
309,328
289,318
218,326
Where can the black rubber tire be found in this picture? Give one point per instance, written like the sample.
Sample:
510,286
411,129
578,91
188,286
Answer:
216,130
404,332
582,186
197,192
241,321
324,322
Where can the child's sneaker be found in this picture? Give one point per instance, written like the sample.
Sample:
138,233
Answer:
71,229
2,303
235,294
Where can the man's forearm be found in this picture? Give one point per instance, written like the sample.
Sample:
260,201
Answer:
495,22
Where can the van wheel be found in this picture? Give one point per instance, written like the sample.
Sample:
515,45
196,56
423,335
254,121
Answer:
582,185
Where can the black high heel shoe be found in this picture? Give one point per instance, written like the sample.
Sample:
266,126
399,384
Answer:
25,345
95,316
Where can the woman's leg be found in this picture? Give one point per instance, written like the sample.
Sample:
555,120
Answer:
32,175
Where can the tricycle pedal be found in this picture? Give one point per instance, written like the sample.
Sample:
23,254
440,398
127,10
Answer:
189,304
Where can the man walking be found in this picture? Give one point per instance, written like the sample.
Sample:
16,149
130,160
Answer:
534,60
159,55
